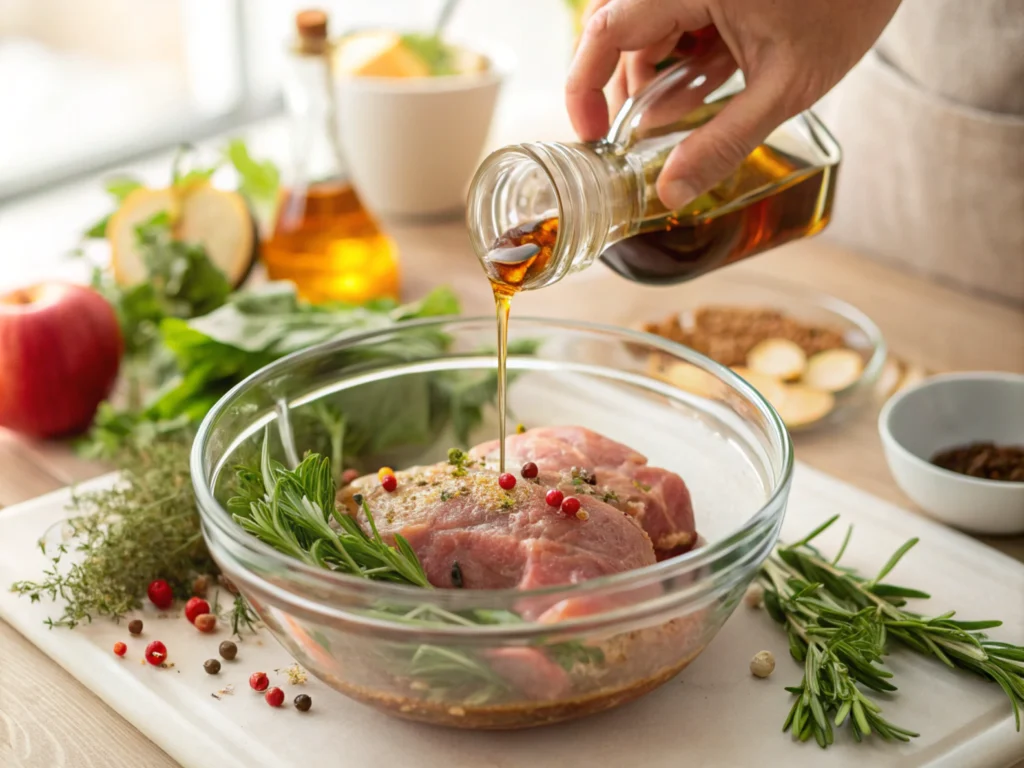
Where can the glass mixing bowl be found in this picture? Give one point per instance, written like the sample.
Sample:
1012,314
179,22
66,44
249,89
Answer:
475,658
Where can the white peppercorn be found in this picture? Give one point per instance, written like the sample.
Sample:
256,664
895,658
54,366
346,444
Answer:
763,664
754,598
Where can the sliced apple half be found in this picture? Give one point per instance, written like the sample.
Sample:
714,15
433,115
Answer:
200,214
781,358
833,370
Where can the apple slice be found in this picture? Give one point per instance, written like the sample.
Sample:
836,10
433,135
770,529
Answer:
200,214
780,358
833,370
773,390
803,405
692,379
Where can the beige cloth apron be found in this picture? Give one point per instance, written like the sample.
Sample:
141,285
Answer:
931,124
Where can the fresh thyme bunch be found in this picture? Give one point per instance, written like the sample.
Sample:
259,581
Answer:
120,539
838,625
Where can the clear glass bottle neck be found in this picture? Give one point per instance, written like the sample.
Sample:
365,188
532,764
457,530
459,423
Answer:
309,99
591,191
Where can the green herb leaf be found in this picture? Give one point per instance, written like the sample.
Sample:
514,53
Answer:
432,50
258,180
839,624
118,188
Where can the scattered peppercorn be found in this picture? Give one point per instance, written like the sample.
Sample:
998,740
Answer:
120,649
507,481
358,499
457,581
156,653
196,607
349,476
570,506
754,597
389,483
303,702
274,697
520,428
206,622
160,594
228,650
583,515
135,627
259,681
200,586
763,664
554,497
212,666
529,470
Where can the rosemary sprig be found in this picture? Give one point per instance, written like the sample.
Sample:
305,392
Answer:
292,511
840,621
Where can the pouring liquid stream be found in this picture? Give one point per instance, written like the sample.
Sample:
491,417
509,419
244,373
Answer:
517,254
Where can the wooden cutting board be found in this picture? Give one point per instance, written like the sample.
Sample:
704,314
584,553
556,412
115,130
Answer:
714,714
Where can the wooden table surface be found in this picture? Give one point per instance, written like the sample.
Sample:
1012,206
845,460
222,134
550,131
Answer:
48,719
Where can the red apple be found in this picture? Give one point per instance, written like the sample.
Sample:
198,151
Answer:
60,348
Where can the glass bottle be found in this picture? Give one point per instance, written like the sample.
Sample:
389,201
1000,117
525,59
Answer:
324,239
540,211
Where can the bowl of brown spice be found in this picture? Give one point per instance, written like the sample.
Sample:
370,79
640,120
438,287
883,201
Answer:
955,446
814,357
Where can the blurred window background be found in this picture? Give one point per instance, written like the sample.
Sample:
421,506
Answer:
86,85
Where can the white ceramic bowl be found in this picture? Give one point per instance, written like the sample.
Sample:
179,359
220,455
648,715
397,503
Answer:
413,144
948,411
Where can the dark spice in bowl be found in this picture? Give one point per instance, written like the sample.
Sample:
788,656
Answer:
985,460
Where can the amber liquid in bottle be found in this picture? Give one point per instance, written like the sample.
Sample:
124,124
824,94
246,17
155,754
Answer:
326,242
713,232
751,213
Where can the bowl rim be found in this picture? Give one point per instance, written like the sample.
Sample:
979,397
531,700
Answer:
944,475
773,506
500,56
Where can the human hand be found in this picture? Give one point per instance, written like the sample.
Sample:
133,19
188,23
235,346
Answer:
791,53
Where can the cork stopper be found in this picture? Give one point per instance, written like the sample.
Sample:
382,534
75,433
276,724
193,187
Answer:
311,25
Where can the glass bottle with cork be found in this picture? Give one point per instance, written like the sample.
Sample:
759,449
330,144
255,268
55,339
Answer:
324,239
540,211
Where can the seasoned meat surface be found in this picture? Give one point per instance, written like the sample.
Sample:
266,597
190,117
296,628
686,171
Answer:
581,462
457,513
500,539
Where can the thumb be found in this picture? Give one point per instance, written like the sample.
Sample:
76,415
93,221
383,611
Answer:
712,152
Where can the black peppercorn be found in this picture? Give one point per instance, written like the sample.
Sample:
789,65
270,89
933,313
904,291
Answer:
228,650
358,499
457,581
135,626
303,702
212,666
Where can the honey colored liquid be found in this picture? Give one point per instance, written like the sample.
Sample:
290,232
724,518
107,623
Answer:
327,243
774,198
506,283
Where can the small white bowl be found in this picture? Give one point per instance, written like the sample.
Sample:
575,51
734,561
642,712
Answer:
945,412
413,144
